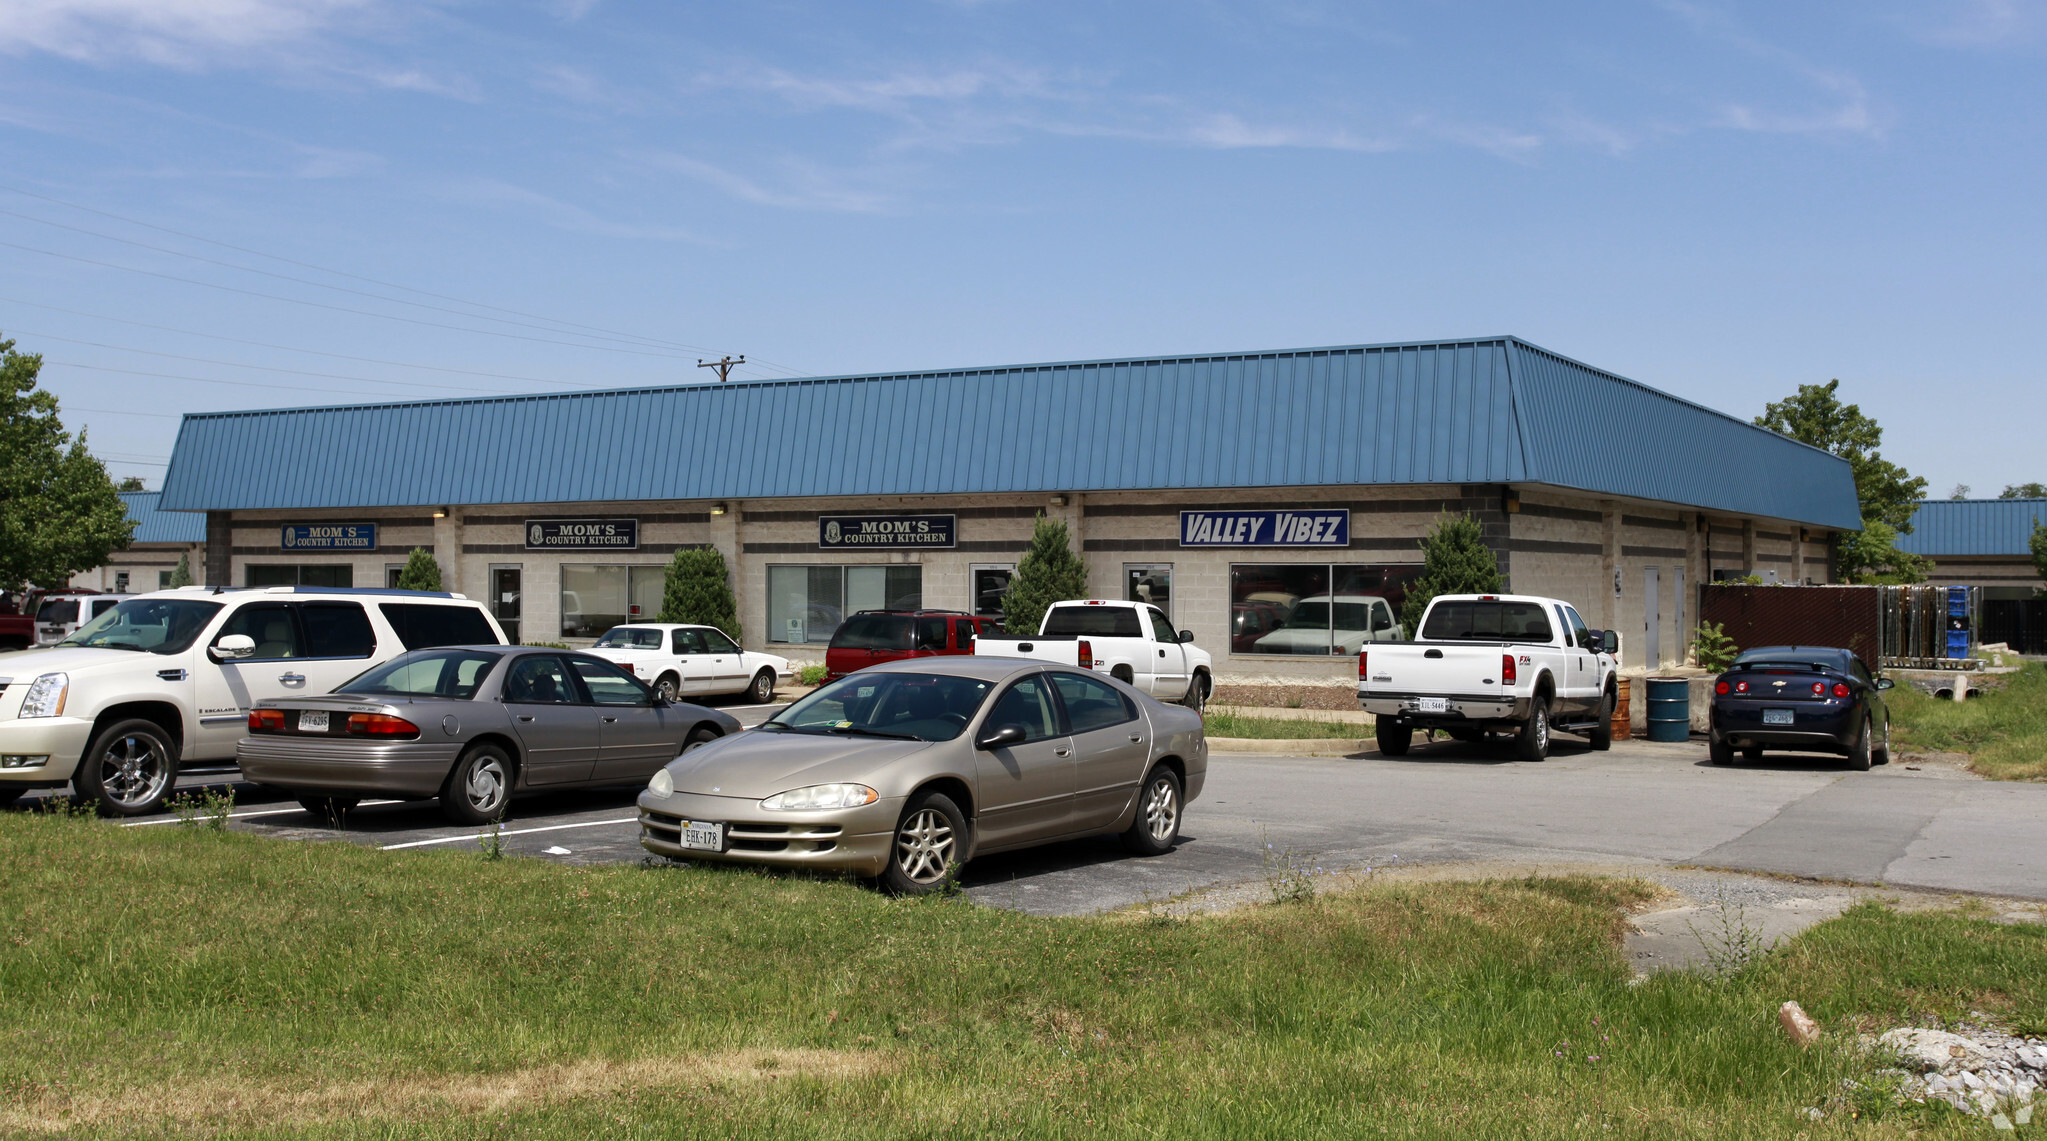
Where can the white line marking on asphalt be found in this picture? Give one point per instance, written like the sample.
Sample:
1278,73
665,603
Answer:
265,812
516,832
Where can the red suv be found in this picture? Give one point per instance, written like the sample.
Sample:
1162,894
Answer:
873,636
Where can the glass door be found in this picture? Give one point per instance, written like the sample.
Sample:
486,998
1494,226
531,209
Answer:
504,599
1150,582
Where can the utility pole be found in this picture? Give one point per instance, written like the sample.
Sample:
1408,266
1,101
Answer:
723,366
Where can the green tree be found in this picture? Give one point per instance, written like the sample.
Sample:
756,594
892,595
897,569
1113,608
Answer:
1886,493
421,571
183,575
1049,572
2023,491
1455,560
132,483
697,590
58,511
2039,545
1715,650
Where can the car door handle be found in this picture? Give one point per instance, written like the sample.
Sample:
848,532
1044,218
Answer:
291,678
608,720
525,717
1135,738
1062,752
1162,653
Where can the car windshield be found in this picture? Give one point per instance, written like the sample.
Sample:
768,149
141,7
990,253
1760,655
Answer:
1482,621
917,707
158,625
452,674
873,632
628,638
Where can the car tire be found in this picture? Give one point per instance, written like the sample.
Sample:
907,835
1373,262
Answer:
1197,693
1155,827
479,788
128,770
668,687
1720,751
332,809
1394,738
761,690
1532,743
930,838
1881,755
1859,753
699,737
1601,734
10,795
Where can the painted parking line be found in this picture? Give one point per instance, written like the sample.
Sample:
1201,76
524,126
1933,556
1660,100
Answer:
515,832
248,815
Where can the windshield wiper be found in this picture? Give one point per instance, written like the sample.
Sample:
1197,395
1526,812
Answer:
855,730
104,645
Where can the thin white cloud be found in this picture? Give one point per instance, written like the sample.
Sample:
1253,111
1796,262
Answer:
555,212
1987,24
803,186
172,33
1851,112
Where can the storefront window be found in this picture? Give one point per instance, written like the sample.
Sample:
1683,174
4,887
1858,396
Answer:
1314,608
807,603
991,582
273,574
1149,582
596,598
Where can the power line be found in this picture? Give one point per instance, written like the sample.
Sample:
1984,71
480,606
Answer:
244,383
357,277
260,367
115,411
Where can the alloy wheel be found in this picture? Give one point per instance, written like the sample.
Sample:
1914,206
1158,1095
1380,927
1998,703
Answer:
486,786
1542,730
924,846
133,771
1162,810
665,688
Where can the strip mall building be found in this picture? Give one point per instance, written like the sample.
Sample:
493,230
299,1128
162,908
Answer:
1267,500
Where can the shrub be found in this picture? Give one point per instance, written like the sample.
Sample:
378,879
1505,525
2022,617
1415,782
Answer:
421,571
1713,648
1455,560
1049,572
697,591
183,575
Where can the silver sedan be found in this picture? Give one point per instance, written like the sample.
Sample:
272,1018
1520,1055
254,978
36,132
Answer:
472,725
904,771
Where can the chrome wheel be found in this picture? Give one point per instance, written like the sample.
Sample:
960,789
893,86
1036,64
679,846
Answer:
763,688
1541,730
924,846
1162,810
485,788
133,771
665,688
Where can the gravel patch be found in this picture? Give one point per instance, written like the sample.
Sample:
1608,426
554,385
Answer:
1315,696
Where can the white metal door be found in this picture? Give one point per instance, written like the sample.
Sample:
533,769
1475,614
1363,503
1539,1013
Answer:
1652,619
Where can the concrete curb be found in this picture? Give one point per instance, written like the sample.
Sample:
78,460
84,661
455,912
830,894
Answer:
1296,747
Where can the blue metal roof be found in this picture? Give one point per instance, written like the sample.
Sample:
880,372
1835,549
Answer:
1974,527
1495,410
154,525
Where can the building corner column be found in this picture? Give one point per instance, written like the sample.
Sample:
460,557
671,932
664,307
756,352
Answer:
724,535
217,568
448,550
1798,554
1748,546
1609,565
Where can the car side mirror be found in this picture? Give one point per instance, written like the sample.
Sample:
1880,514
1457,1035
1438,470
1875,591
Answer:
1610,642
1883,683
232,646
1186,635
1001,738
660,700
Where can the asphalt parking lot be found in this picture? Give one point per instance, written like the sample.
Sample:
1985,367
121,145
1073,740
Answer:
1912,824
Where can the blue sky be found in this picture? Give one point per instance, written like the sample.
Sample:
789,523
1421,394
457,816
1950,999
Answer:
1724,200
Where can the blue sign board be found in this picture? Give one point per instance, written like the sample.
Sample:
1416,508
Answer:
330,537
1310,527
582,534
844,532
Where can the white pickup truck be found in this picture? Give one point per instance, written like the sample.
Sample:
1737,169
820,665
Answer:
1483,663
1128,640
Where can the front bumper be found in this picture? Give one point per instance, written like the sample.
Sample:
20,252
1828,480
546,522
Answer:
852,840
1459,708
61,739
401,768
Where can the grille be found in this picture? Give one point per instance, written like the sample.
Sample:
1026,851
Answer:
749,836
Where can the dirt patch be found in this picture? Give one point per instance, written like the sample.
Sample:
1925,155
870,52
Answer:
224,1103
1317,696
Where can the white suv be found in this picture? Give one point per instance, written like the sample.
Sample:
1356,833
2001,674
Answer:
168,678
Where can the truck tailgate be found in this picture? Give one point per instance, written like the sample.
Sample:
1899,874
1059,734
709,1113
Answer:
1441,668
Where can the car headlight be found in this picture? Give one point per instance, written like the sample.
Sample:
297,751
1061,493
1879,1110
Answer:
662,784
821,796
45,696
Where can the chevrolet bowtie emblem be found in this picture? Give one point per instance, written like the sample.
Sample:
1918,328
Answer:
1776,683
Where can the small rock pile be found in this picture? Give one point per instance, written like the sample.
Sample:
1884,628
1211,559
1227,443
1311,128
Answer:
1978,1072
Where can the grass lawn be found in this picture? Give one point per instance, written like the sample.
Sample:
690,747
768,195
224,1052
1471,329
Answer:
1222,724
2004,730
173,982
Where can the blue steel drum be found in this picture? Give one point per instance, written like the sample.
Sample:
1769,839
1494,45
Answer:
1670,709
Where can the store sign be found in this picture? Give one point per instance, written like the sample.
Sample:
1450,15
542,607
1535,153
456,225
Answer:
582,534
845,532
330,537
1325,527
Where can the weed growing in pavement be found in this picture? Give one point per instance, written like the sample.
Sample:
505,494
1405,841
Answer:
66,807
1289,873
493,839
1732,943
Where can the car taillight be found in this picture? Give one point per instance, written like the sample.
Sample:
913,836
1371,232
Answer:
1723,687
1819,688
1507,671
1361,665
1840,689
1087,655
1741,687
380,725
266,721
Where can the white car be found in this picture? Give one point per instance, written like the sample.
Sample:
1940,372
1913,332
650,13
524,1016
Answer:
1311,628
692,661
166,679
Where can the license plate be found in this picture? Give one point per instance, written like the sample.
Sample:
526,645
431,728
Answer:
1778,716
1432,705
703,836
312,721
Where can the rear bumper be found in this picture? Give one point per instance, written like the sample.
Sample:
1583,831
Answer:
1459,708
409,768
1830,726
